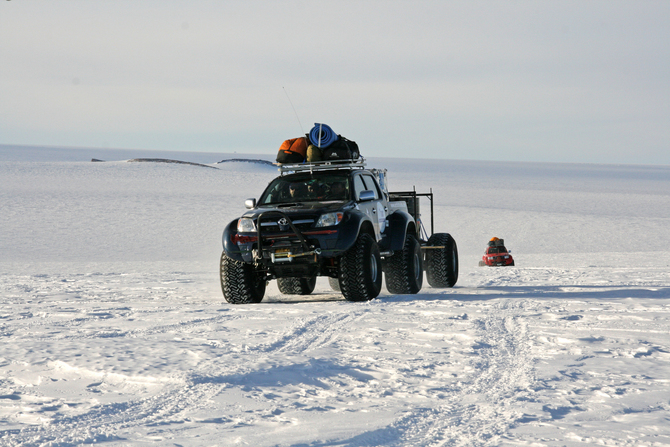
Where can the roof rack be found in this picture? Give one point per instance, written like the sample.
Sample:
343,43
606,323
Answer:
285,169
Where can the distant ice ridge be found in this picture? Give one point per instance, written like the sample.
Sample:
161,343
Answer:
168,160
249,160
23,153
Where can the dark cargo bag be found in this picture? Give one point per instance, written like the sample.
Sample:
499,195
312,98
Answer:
292,151
342,149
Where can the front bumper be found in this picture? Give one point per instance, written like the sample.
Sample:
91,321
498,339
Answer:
279,248
498,261
284,245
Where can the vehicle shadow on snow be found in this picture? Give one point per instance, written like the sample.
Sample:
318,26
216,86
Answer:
484,293
552,292
315,297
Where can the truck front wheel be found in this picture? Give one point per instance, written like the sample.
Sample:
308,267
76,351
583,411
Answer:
361,270
241,283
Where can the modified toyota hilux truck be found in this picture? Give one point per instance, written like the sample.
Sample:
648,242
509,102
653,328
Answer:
333,219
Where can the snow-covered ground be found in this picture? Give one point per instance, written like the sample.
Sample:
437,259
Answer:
114,329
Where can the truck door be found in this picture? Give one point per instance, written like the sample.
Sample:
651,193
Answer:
374,209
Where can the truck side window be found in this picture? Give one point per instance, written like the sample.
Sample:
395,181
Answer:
371,185
359,187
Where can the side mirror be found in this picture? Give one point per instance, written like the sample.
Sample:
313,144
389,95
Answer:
250,204
367,196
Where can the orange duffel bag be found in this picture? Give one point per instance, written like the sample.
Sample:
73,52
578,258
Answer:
292,151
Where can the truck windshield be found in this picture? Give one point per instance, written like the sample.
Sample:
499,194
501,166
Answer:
306,189
497,250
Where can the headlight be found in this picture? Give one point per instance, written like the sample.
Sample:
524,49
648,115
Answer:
245,225
329,219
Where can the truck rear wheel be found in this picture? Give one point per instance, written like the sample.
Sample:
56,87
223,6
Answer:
361,270
442,263
241,283
404,270
296,286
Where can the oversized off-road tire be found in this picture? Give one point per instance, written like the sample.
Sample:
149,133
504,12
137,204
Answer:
404,270
334,284
361,270
241,283
296,286
441,263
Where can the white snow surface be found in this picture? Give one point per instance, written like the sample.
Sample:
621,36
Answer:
114,330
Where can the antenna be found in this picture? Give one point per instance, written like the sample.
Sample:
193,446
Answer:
296,113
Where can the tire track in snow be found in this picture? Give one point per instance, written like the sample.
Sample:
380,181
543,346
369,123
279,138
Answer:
312,334
109,422
482,411
115,421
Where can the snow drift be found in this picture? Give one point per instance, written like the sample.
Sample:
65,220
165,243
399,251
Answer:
114,328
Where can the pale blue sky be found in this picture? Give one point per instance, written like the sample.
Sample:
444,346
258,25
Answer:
566,81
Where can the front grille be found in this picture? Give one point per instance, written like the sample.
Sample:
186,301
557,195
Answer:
273,226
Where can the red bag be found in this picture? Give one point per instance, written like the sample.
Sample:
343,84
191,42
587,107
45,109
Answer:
292,151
